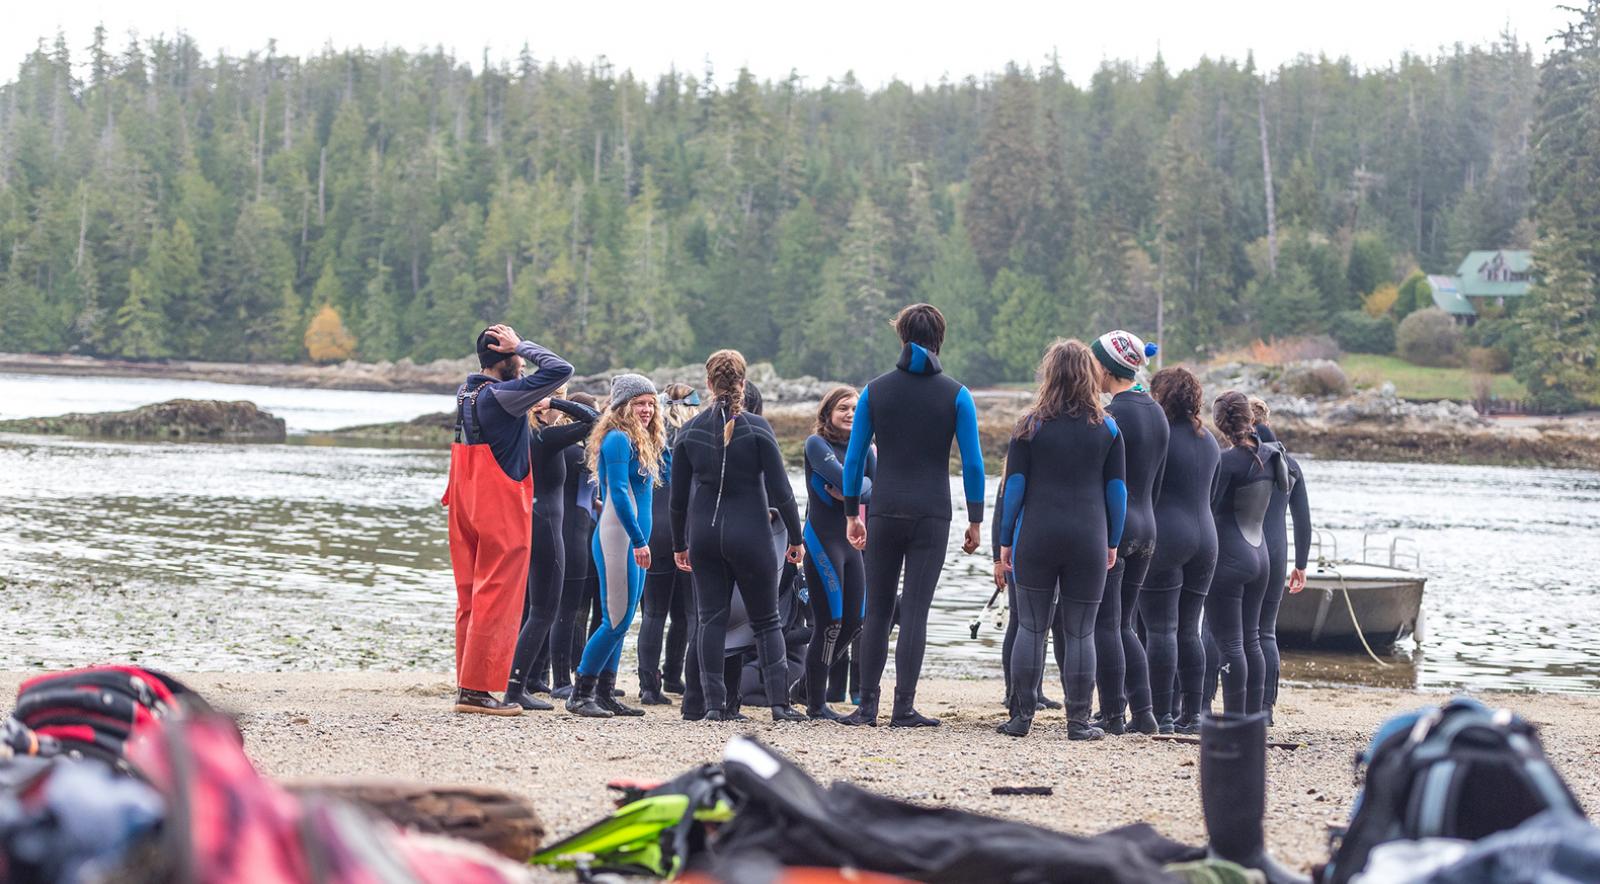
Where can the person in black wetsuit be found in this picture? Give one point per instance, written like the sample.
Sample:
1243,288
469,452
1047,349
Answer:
547,445
726,467
1246,475
666,589
915,412
1174,595
1294,502
1066,499
1122,670
835,574
1004,579
577,532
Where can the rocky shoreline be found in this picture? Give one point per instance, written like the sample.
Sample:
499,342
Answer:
178,420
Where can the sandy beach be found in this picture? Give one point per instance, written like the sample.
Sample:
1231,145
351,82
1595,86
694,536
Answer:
399,725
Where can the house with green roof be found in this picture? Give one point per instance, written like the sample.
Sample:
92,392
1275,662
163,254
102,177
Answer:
1484,281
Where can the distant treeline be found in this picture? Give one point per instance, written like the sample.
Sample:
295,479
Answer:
171,203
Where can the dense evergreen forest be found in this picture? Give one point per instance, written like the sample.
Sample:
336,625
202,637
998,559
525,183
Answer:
156,201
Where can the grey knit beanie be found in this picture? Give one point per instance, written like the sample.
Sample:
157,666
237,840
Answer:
627,386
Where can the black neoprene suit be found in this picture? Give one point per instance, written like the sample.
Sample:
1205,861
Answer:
1066,501
835,573
915,413
1008,644
1239,500
720,495
667,591
1277,532
577,530
546,568
1120,664
1175,588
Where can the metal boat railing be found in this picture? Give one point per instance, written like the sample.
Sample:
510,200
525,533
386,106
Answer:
1410,552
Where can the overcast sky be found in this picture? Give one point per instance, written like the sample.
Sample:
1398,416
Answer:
912,40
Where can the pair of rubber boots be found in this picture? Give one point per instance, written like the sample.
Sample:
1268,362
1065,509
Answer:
905,712
592,697
1233,792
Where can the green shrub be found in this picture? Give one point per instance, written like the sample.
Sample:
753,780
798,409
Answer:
1488,360
1414,295
1358,332
1428,337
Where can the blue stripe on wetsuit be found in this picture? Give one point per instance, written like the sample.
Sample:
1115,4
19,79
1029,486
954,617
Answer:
1116,499
971,446
855,456
830,575
820,487
1011,519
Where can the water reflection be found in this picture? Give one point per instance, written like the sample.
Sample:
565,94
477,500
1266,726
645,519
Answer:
311,557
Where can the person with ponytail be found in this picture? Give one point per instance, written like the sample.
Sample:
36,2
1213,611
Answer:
1066,500
667,591
1123,672
557,424
1174,594
1282,504
916,413
625,455
835,574
726,473
1247,473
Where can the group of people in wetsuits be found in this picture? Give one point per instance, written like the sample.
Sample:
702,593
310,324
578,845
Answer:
1123,530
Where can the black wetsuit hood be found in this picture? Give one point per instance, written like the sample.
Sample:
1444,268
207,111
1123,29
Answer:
1276,460
917,359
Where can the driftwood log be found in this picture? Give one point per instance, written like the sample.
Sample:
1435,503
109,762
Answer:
504,823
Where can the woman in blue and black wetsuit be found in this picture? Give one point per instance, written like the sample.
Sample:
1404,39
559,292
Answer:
667,592
1293,501
1065,501
1246,475
726,467
834,570
625,454
547,446
1174,595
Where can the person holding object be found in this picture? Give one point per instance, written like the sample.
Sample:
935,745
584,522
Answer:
726,473
1066,499
625,454
915,413
490,499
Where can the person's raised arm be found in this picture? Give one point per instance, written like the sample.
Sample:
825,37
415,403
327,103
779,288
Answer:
583,418
971,445
616,453
519,395
855,455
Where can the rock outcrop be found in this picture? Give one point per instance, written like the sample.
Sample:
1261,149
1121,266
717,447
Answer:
177,419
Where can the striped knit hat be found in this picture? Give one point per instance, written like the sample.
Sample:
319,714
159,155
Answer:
1122,353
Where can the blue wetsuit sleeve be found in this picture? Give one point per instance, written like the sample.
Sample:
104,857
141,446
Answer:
1019,461
678,507
855,456
1115,474
1300,508
780,494
616,453
971,453
826,464
519,395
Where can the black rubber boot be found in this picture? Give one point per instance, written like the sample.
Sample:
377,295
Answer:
1188,725
1082,730
1115,726
561,692
866,713
583,702
905,713
1233,792
1047,703
823,713
725,715
671,685
1144,723
1267,711
484,703
650,690
787,713
606,694
1164,726
516,693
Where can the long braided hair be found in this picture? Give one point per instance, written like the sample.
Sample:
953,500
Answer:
725,377
1234,418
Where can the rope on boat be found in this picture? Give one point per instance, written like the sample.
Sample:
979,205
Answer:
1351,607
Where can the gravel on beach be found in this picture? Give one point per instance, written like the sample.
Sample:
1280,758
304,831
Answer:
400,726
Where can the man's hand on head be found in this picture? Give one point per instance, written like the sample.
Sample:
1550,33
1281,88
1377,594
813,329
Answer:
505,340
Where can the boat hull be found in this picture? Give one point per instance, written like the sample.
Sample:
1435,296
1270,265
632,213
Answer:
1387,603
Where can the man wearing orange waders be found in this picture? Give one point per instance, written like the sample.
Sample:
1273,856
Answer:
490,498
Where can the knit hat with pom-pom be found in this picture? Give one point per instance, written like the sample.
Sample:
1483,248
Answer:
1122,353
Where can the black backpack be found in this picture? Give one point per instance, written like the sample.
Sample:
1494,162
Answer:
1459,771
